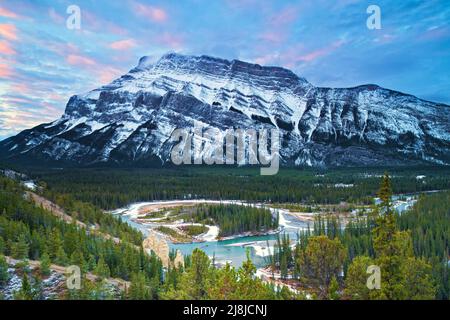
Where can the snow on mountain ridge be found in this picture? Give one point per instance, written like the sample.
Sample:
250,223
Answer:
210,79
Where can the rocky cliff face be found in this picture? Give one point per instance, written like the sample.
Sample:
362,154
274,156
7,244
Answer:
158,245
131,119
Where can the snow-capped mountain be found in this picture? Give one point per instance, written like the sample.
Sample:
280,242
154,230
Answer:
132,118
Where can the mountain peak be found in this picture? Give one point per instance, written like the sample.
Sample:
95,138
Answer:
132,118
219,66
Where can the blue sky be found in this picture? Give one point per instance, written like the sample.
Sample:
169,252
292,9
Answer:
43,63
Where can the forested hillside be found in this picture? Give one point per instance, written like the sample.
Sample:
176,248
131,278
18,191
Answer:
30,232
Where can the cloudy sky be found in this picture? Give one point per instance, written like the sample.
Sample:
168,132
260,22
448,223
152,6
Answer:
43,63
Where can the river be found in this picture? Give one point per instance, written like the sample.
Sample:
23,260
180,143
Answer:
235,250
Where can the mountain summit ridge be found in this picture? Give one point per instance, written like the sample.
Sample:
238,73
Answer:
131,119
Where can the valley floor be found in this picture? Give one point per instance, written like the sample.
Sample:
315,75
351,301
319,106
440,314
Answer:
233,249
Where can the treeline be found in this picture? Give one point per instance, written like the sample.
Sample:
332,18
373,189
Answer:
113,188
234,219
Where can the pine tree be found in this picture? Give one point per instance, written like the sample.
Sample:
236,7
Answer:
387,252
250,287
333,289
61,257
385,192
198,274
322,260
102,269
4,276
356,279
91,264
139,289
36,289
77,259
20,248
386,225
194,282
25,292
418,281
2,245
226,284
45,264
54,242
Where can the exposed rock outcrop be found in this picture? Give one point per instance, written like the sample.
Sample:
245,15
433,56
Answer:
159,246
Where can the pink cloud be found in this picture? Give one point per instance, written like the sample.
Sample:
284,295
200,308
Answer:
57,18
5,48
8,31
291,57
5,70
320,52
94,22
62,49
17,100
278,26
7,13
153,13
274,36
16,119
385,38
56,96
435,33
266,59
284,17
103,73
108,74
20,87
79,60
170,40
123,44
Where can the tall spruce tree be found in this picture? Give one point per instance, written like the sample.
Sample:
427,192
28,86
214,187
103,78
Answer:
320,261
45,264
4,276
